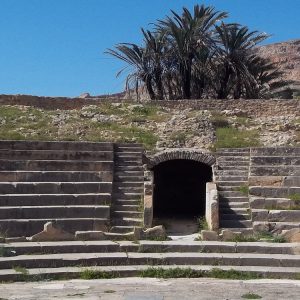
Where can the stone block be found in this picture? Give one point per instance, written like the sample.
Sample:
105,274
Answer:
265,181
292,235
259,214
257,202
261,227
51,233
208,235
228,235
155,232
284,216
90,235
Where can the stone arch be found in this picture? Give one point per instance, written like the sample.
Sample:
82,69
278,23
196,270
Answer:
172,154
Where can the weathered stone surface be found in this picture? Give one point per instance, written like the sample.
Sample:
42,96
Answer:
212,206
292,235
284,216
155,232
208,235
259,215
19,239
228,235
90,235
261,227
265,180
52,233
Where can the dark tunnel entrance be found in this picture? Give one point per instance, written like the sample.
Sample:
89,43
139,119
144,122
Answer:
180,189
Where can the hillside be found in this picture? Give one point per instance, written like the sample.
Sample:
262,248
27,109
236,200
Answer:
202,124
287,55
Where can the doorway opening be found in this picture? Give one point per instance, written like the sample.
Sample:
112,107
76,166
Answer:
179,193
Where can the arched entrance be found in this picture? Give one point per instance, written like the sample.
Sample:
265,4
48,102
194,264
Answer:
178,195
179,189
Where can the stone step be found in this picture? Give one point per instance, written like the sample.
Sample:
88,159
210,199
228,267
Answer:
275,160
29,227
234,216
146,246
233,200
235,223
54,199
234,205
268,203
122,229
231,183
237,154
273,192
233,158
127,196
139,184
136,270
231,173
279,170
127,214
278,226
55,165
291,181
54,187
134,258
53,212
55,176
228,188
276,215
129,150
126,221
63,145
33,154
229,178
230,164
276,151
127,163
119,154
127,202
128,189
234,210
121,168
231,194
128,173
128,178
126,207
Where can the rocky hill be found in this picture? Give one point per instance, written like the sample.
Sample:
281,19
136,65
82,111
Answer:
287,55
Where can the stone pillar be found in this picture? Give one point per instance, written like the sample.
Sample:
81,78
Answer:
212,206
148,199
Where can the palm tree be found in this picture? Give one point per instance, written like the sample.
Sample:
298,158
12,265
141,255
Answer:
137,59
236,43
187,34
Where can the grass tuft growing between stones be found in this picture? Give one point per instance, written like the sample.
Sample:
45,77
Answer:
229,137
190,273
295,197
244,189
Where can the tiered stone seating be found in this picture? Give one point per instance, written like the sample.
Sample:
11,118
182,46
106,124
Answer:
68,183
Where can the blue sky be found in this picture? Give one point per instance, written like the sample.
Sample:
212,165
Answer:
55,47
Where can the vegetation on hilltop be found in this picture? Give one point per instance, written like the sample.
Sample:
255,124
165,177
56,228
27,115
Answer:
196,55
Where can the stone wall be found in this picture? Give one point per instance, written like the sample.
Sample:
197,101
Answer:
253,107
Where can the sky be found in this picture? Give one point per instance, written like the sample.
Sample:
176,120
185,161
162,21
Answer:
56,47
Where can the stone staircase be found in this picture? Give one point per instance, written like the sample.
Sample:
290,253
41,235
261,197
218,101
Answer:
274,187
231,176
55,260
128,188
67,183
